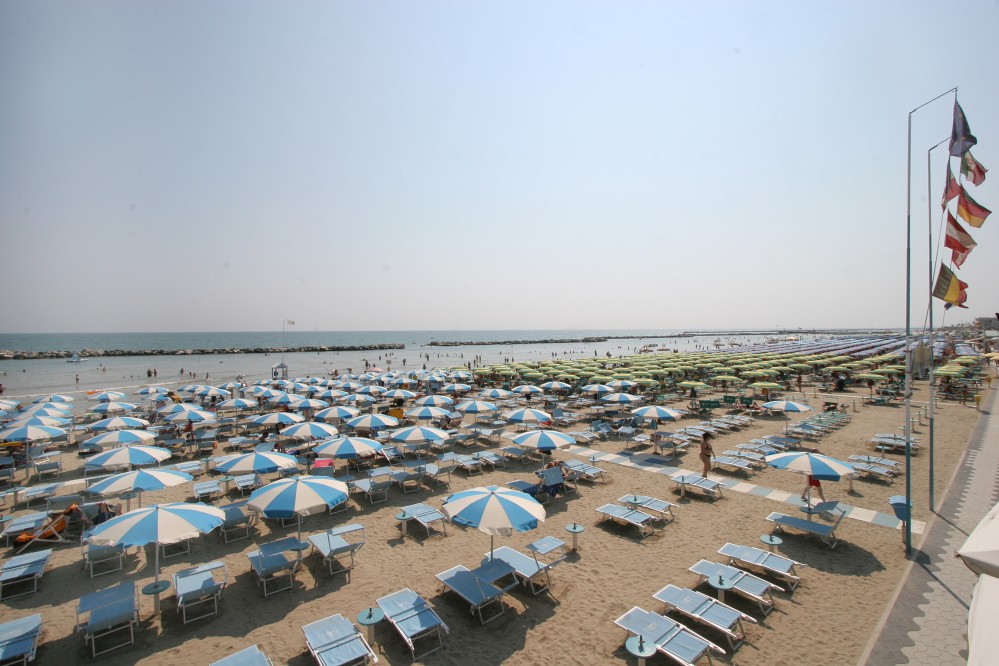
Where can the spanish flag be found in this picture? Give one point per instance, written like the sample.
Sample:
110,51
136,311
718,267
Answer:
949,289
970,211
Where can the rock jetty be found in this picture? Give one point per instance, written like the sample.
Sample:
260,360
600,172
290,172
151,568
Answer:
100,353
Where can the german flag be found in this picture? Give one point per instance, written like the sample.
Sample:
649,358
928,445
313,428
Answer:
949,289
970,211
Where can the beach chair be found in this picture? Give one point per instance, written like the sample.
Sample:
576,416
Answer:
868,470
494,460
892,466
584,471
272,565
825,531
425,515
708,487
200,586
246,482
414,619
45,466
535,490
707,611
468,464
40,492
516,454
439,475
207,491
758,448
555,483
743,583
584,436
532,573
662,508
786,442
620,514
408,478
19,639
23,569
756,460
335,641
251,656
23,524
105,612
332,546
96,555
237,522
190,467
668,636
478,590
732,463
373,489
761,561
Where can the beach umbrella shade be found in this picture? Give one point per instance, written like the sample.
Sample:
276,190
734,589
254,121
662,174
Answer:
416,434
54,397
402,381
37,420
476,407
298,496
495,511
400,394
341,412
495,393
157,524
692,384
358,399
786,406
373,422
212,392
309,403
178,407
59,410
289,399
817,465
426,413
257,462
237,403
348,448
139,480
435,401
618,384
597,389
543,440
310,430
460,375
106,396
527,389
456,388
126,455
620,398
657,413
118,423
980,551
114,407
528,415
372,389
556,386
276,418
30,433
123,437
190,417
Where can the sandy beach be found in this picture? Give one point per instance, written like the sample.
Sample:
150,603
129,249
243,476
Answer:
829,619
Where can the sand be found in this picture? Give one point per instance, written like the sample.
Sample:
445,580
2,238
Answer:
829,619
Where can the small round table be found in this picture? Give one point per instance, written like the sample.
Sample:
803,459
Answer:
771,540
403,518
640,648
575,529
227,479
721,584
128,497
154,590
369,617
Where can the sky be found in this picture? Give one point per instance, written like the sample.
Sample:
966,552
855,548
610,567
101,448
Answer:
193,166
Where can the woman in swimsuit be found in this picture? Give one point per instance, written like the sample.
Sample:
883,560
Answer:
706,453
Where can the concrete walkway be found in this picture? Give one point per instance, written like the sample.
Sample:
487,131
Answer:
927,622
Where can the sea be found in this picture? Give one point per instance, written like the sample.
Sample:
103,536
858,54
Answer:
35,377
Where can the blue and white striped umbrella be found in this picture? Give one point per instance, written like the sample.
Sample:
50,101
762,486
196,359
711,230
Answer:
527,389
373,421
276,418
786,406
114,407
310,430
118,423
543,440
30,433
620,398
190,417
120,437
476,407
435,400
309,403
495,511
805,462
495,393
358,399
372,389
290,399
141,480
265,392
618,384
330,394
106,396
426,413
54,397
237,403
657,413
126,455
341,412
348,448
402,381
527,415
460,376
231,386
37,420
416,434
148,391
9,405
556,386
456,388
298,496
400,394
597,389
258,462
212,392
178,407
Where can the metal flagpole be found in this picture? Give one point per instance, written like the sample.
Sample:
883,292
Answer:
908,321
932,392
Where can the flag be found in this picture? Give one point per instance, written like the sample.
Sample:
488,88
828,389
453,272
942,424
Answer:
958,240
970,211
961,138
971,169
290,322
953,188
948,288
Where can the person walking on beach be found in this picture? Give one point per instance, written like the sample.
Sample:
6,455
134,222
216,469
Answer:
706,453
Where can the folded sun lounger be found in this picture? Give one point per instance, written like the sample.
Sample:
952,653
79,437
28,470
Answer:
335,641
414,619
670,637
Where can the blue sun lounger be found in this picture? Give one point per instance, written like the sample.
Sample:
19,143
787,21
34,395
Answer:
237,522
108,611
414,619
732,463
23,569
670,637
645,503
710,612
745,584
621,514
200,585
686,481
332,545
335,641
825,531
251,656
207,490
19,639
271,564
528,570
761,561
478,587
425,515
24,524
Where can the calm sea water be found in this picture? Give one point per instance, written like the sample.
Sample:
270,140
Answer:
36,377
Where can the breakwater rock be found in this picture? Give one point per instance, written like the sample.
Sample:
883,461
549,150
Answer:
553,341
100,353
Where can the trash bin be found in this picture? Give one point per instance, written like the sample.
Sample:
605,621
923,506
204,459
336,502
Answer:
901,508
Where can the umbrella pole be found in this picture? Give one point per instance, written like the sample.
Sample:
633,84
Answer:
491,537
156,578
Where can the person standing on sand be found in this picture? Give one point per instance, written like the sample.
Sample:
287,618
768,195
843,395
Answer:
706,453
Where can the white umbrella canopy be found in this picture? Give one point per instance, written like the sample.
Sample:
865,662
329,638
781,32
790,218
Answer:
980,551
983,641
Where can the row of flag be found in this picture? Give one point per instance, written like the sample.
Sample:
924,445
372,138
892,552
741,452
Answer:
948,287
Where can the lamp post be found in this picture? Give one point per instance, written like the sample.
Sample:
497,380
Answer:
929,227
284,344
908,319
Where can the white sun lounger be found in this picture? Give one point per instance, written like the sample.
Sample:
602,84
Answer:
761,561
271,564
529,570
729,462
706,610
621,514
663,508
251,656
668,636
745,584
709,487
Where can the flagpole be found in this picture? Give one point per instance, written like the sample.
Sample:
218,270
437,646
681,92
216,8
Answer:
929,217
908,321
